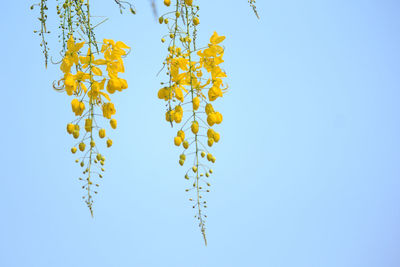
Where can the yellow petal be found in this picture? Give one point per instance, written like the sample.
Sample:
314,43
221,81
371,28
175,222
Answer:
120,44
97,71
179,94
78,46
109,41
105,95
70,43
215,39
83,86
99,62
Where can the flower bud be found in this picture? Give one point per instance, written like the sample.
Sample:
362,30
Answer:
113,123
102,133
195,127
82,146
185,144
109,142
177,140
70,128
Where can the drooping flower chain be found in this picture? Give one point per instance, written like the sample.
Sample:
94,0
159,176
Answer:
91,103
83,79
195,80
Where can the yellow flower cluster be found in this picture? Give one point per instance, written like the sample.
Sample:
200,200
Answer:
187,79
87,85
195,81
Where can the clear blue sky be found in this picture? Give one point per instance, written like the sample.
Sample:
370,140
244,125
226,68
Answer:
308,165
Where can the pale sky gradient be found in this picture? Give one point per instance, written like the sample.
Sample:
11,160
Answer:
307,170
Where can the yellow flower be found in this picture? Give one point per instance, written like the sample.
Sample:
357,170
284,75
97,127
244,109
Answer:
195,127
116,84
73,150
88,125
102,133
215,39
211,119
66,65
113,123
80,77
178,114
73,48
108,110
196,21
69,83
216,137
70,128
169,115
77,107
85,60
210,141
177,140
214,93
189,2
178,93
164,93
109,142
181,134
82,146
218,117
113,50
185,144
196,103
71,55
167,2
209,109
210,133
75,133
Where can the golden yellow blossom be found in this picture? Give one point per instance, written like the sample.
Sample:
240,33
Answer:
196,103
195,127
109,142
77,107
88,125
102,133
113,123
177,140
82,146
108,110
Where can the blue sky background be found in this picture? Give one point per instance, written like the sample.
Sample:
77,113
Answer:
307,170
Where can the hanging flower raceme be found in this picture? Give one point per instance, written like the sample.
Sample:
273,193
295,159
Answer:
195,82
90,79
